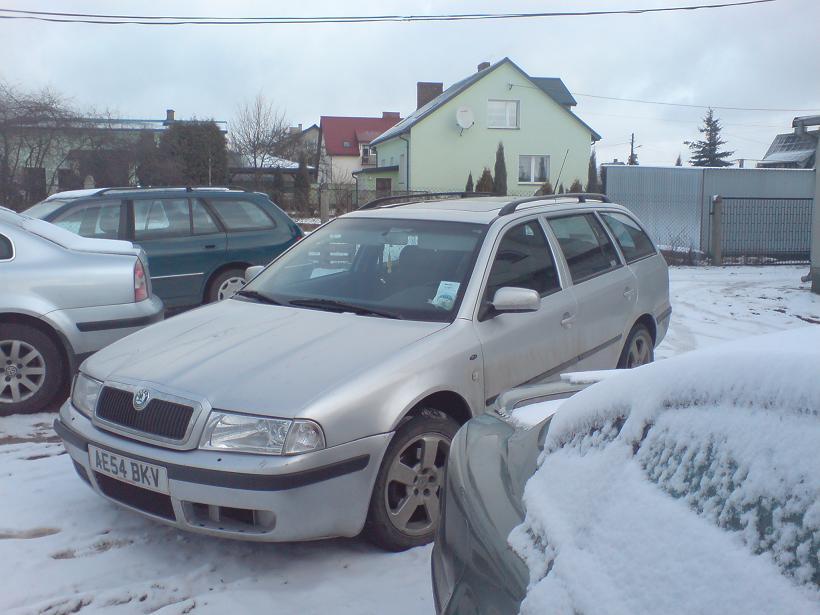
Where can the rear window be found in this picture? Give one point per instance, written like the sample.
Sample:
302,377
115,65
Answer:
6,249
585,245
44,209
633,241
239,215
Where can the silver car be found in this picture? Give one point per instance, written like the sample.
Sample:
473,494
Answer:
322,399
62,297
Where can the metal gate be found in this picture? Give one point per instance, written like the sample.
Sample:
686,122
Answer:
765,231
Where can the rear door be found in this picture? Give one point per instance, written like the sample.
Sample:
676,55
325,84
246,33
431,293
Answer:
181,248
529,347
604,288
255,235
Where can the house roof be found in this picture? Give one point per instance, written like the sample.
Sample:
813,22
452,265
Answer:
336,131
791,148
551,86
555,89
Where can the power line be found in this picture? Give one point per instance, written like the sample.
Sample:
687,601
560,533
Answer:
158,20
671,104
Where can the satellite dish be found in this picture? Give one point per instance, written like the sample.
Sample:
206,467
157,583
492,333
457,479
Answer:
465,118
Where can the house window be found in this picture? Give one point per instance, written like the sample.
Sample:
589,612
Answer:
533,169
502,113
346,143
368,154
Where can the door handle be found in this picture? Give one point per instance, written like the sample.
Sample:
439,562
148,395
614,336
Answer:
210,246
567,320
629,292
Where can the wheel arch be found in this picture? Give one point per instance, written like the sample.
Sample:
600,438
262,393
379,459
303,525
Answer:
649,322
221,269
449,402
63,345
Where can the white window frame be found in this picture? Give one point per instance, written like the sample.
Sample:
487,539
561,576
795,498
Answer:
517,104
533,159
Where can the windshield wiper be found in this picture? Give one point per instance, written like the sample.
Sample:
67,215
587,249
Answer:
341,306
257,296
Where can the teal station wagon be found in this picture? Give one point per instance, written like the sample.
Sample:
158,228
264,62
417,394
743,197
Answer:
199,241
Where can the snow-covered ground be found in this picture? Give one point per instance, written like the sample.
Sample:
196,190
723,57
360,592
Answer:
65,550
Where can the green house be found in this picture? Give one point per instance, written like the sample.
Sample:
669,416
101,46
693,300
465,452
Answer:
455,132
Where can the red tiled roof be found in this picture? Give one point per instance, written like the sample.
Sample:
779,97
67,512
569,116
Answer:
336,131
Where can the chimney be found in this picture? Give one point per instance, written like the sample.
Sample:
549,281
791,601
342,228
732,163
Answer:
482,66
390,115
427,91
169,116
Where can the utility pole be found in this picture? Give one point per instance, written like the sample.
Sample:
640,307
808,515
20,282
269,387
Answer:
633,157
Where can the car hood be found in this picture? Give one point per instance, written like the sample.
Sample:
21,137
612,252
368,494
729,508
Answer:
256,358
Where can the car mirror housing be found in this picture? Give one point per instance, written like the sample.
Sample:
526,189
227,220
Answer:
513,299
252,272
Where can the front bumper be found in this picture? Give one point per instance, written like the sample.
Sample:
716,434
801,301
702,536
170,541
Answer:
238,495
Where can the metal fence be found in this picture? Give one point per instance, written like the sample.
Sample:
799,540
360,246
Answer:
766,216
765,230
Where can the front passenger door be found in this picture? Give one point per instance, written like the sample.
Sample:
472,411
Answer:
527,347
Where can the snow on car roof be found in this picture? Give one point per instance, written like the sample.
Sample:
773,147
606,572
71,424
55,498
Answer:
689,485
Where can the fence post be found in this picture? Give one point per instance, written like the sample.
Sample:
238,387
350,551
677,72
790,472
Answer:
715,246
324,206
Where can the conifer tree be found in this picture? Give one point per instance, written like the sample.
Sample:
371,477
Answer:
706,152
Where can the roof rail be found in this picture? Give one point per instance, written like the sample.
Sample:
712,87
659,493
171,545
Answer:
186,188
581,196
406,199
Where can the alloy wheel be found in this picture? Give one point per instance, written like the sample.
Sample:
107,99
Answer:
22,371
640,351
229,287
414,484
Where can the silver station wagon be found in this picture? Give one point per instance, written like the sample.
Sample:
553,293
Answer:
322,399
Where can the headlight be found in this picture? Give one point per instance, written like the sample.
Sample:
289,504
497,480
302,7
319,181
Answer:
226,431
84,394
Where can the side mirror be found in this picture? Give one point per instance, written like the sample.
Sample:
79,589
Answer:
252,272
513,299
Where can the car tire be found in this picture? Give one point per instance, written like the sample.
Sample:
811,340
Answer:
639,348
32,369
224,284
405,504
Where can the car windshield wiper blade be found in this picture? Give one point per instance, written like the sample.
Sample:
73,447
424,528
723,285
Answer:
257,296
341,306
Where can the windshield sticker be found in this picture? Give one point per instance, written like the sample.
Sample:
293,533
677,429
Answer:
446,295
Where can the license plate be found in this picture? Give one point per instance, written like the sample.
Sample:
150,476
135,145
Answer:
139,473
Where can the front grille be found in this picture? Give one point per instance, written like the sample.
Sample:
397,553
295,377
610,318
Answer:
151,502
160,418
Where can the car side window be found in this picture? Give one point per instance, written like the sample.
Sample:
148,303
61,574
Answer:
634,243
6,249
203,222
98,219
160,218
523,260
240,215
586,246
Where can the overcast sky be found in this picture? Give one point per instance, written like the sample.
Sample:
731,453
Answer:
754,56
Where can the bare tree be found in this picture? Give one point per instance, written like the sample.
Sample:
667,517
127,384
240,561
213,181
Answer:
260,133
31,127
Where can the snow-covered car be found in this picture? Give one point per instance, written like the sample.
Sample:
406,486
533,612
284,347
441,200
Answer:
62,297
691,485
322,398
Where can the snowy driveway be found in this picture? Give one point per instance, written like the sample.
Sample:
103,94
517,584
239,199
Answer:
65,550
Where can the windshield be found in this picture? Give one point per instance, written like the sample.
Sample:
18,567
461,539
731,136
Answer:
413,269
44,209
